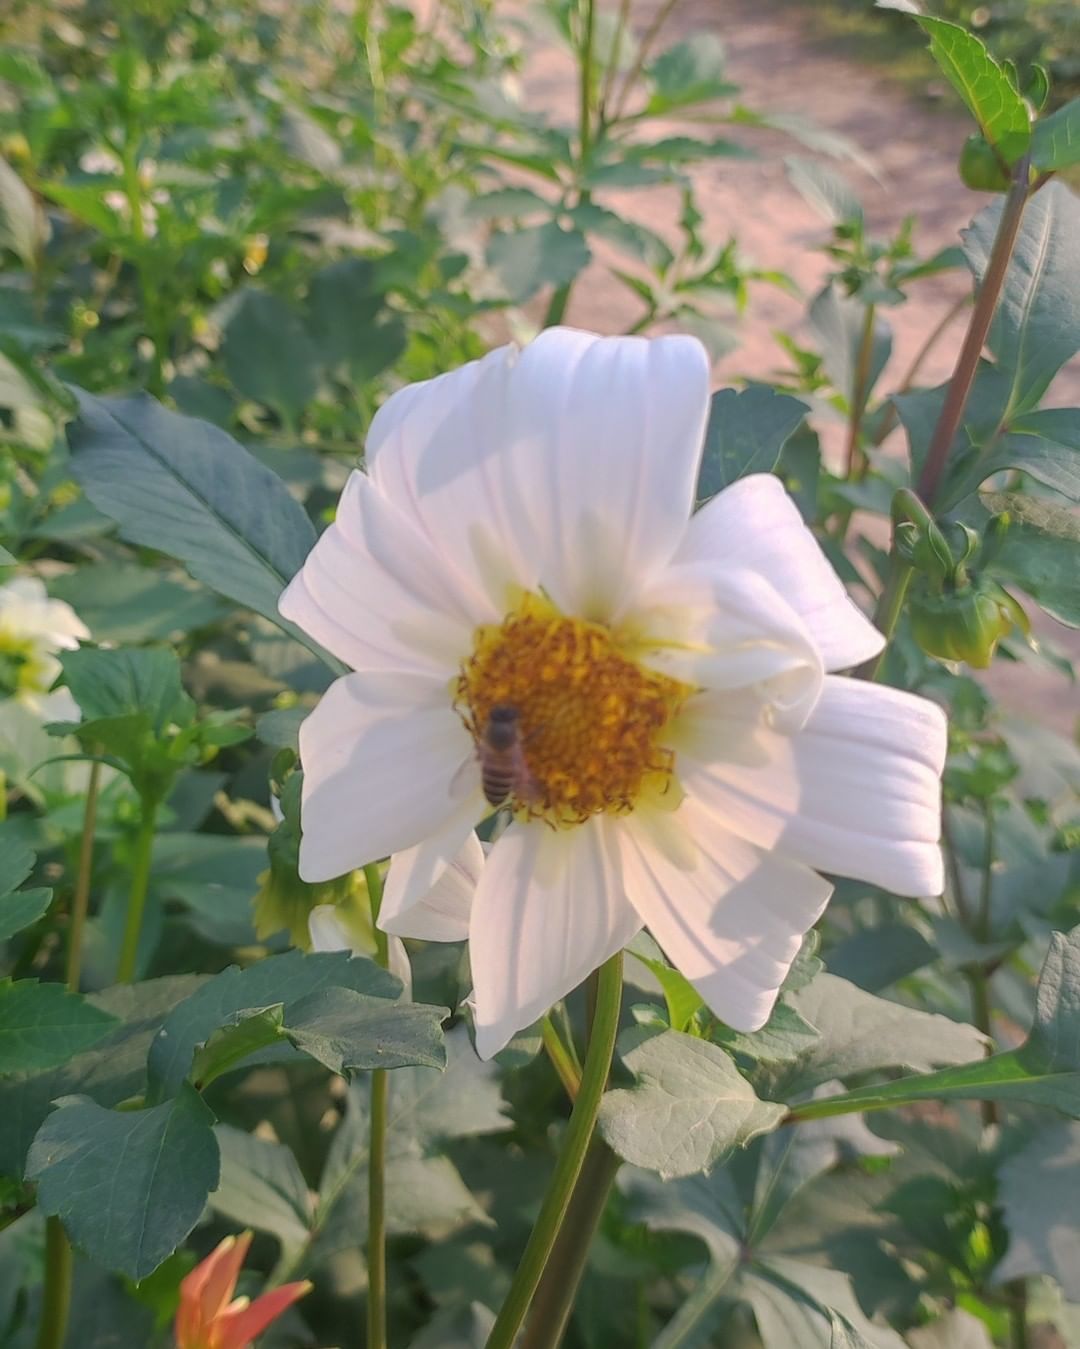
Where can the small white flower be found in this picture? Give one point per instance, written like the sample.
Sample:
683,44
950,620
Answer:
523,537
33,628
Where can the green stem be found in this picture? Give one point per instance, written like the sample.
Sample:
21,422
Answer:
140,882
887,613
559,1283
568,1168
561,1061
982,314
81,897
979,978
1018,1314
586,87
376,1247
155,315
56,1295
860,394
380,1095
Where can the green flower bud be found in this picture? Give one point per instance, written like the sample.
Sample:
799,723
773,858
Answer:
965,624
980,168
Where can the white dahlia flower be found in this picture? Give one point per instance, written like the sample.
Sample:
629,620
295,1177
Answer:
33,628
680,756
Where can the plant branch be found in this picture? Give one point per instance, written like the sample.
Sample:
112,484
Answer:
887,612
56,1294
377,1120
956,398
81,896
568,1168
861,391
565,1068
140,882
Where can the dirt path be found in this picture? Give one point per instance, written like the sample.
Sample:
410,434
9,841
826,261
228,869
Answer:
782,67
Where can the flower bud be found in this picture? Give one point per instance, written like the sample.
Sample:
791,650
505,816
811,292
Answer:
965,624
980,168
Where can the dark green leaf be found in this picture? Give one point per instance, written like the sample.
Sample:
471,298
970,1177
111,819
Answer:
1040,553
262,1187
268,354
1055,142
689,1108
244,1034
1036,328
689,72
284,979
281,727
875,957
746,434
351,1032
118,684
984,86
110,1073
20,909
121,603
343,307
128,1185
839,322
542,255
188,489
1039,1191
42,1025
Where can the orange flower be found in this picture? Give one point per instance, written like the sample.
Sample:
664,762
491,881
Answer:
207,1319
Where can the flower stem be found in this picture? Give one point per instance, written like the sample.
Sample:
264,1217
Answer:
56,1295
140,881
982,314
81,896
555,1048
887,613
380,1094
860,394
568,1168
558,1285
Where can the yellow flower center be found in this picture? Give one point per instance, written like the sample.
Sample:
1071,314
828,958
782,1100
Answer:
586,719
21,668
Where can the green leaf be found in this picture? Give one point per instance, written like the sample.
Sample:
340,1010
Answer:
343,305
1045,1070
284,979
22,908
22,224
839,322
262,1187
350,1032
1036,327
17,910
1040,552
125,603
24,420
244,1034
692,71
268,354
984,86
127,1185
1039,1192
281,727
115,684
746,433
1046,444
798,1305
827,191
689,1108
110,1073
1055,141
42,1025
682,998
541,255
187,489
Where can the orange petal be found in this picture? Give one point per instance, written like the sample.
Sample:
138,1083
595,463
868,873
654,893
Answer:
238,1326
205,1292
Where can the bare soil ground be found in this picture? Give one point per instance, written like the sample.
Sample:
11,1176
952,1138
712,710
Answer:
781,65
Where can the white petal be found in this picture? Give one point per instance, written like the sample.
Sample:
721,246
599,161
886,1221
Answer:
548,911
379,753
729,916
856,793
728,629
376,595
570,467
429,890
756,525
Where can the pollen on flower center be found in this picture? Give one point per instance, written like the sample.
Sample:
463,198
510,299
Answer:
589,718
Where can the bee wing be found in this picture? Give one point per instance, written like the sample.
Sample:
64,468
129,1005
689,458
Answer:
466,779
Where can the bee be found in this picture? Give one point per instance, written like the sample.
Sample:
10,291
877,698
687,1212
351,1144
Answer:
504,770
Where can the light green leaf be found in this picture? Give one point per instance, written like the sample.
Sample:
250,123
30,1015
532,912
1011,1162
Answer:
1040,553
267,352
827,191
798,1305
692,71
689,1108
262,1187
839,322
281,727
125,603
541,255
284,979
108,684
43,1025
186,488
127,1185
1039,1191
244,1034
984,86
20,909
350,1032
1055,141
1036,327
746,433
22,223
682,998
